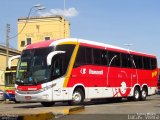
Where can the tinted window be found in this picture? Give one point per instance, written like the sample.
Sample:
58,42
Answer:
146,63
59,66
80,58
104,57
138,62
126,60
64,59
153,63
114,59
97,56
88,55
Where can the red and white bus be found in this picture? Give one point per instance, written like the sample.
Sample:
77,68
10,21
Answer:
74,69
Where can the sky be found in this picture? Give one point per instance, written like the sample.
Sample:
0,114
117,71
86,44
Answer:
115,22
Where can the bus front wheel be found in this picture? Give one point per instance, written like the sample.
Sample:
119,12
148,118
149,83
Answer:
77,97
47,104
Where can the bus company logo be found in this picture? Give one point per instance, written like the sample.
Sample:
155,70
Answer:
154,74
95,72
83,71
32,88
91,72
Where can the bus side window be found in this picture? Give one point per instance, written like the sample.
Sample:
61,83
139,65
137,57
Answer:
88,55
97,56
138,62
56,67
146,63
153,63
104,57
80,58
126,60
114,59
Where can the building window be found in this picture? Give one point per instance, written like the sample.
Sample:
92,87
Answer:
28,41
22,43
47,38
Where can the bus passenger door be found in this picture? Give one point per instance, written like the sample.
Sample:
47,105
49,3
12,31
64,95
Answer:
56,75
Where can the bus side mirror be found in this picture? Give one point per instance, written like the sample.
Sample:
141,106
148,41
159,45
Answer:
51,55
10,60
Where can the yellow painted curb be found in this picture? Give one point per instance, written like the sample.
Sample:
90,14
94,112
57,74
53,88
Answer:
48,115
41,116
74,110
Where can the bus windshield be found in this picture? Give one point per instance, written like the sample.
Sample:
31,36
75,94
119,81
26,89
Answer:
33,69
32,66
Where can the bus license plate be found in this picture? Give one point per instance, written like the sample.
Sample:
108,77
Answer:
28,97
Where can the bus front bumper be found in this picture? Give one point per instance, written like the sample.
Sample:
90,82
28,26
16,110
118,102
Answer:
28,96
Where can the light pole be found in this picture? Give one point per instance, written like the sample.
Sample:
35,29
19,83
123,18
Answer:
7,42
38,7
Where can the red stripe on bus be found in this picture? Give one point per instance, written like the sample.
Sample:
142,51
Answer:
29,88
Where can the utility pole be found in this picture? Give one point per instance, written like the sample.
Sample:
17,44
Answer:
7,43
64,28
64,10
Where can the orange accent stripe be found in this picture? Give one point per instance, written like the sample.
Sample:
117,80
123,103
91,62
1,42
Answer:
71,65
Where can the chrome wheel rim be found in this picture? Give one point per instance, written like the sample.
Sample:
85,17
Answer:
137,94
144,94
77,97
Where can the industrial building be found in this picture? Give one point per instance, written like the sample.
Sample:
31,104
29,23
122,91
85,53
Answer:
37,29
32,30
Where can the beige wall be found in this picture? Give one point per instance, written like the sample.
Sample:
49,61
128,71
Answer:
3,61
12,52
40,27
1,79
3,68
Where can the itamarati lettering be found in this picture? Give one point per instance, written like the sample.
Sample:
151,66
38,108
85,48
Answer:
95,72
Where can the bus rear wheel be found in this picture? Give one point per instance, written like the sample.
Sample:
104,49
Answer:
143,94
77,97
47,104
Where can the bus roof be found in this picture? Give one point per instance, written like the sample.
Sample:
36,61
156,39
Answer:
86,43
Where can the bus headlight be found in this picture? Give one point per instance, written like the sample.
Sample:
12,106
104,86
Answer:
48,87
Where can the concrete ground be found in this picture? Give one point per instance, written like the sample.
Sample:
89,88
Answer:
30,111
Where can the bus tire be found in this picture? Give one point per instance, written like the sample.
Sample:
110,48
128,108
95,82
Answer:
17,101
77,97
143,95
47,104
130,98
136,95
